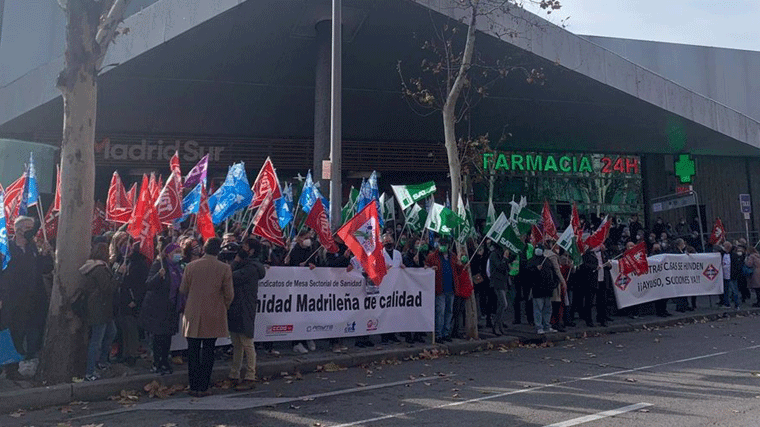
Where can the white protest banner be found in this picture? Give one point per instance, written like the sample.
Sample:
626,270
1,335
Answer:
669,276
296,303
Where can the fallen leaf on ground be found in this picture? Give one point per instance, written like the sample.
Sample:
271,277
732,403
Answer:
631,380
18,413
66,410
361,384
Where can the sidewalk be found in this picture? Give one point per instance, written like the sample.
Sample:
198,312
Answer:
25,394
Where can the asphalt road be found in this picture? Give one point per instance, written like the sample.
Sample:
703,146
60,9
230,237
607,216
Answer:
700,374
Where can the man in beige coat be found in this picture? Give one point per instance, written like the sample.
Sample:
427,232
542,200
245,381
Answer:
208,285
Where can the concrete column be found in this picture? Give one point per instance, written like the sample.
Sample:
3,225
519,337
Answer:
322,102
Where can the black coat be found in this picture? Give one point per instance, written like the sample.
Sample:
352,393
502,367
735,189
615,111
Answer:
22,290
158,313
242,312
132,286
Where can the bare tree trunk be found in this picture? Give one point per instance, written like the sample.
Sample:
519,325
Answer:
64,351
452,151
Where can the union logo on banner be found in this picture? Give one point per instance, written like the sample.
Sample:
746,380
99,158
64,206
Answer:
365,235
711,272
622,282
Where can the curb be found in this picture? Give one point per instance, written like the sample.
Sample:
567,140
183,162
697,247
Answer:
62,394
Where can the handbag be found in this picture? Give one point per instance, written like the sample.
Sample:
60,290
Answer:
8,353
477,278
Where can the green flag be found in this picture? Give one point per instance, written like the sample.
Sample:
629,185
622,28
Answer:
490,216
470,219
509,239
416,217
408,194
525,219
465,228
568,242
349,210
389,208
497,228
442,220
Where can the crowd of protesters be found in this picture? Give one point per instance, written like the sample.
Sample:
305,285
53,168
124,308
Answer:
208,290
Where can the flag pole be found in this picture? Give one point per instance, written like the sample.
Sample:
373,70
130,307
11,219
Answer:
476,251
402,232
42,221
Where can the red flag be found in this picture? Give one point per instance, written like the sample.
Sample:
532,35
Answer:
265,222
169,202
265,183
536,236
12,199
634,260
204,223
57,200
575,221
600,235
317,220
99,224
550,230
131,194
154,186
174,165
51,223
135,222
362,235
718,232
118,207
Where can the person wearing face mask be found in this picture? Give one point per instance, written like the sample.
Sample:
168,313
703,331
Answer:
445,284
23,300
159,315
393,259
297,258
414,255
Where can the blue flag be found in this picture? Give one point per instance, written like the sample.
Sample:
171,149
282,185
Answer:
4,232
365,196
284,207
308,198
233,195
32,195
375,191
191,203
23,200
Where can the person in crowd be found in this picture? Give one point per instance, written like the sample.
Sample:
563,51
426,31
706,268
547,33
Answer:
364,340
98,290
129,295
299,257
659,227
560,317
499,262
393,259
651,241
415,253
544,281
228,238
523,285
587,285
604,283
462,293
207,282
247,270
634,225
340,259
21,306
160,309
742,280
445,284
483,291
682,303
552,256
753,261
191,250
732,265
682,228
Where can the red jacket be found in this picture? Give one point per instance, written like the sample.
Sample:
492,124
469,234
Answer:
434,259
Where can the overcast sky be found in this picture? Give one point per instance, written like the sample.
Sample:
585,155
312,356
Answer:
723,23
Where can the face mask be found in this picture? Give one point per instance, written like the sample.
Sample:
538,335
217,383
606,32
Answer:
389,246
402,242
443,248
306,243
423,247
465,259
740,253
177,257
28,234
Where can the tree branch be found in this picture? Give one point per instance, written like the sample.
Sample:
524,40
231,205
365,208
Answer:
107,27
469,46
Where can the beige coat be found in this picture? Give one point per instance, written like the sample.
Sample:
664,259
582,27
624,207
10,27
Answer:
208,285
754,280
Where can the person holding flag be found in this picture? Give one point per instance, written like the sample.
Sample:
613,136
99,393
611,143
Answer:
23,308
445,283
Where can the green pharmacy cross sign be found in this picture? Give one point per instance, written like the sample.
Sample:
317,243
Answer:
685,168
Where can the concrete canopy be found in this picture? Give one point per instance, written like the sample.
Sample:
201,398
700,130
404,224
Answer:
246,68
